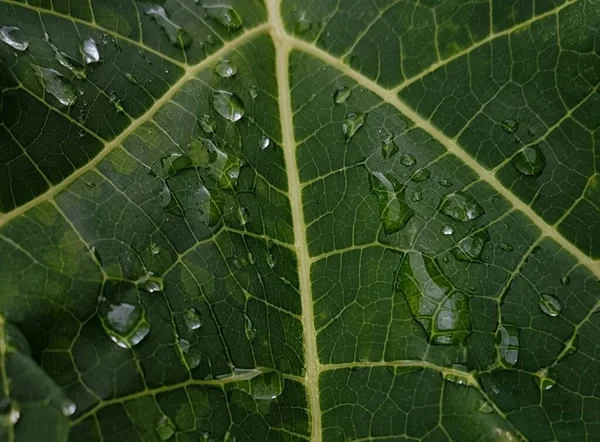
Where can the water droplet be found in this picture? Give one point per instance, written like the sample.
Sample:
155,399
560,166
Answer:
442,311
253,92
154,249
544,383
394,211
165,428
416,197
271,260
207,123
65,60
445,183
225,16
173,164
302,26
243,215
56,84
264,142
192,319
505,247
151,286
456,378
530,161
267,386
565,280
461,206
225,69
420,175
483,406
125,323
510,126
68,408
507,341
89,50
228,105
342,94
470,247
10,412
131,79
408,160
231,174
249,329
7,37
447,229
550,305
388,148
178,37
352,124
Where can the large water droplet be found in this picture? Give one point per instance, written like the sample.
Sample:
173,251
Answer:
530,161
470,247
68,408
461,206
56,84
510,126
442,311
352,124
228,105
342,94
394,211
267,386
89,50
550,305
408,160
264,142
10,412
207,123
507,341
225,69
14,42
192,319
165,428
178,37
447,229
125,323
225,16
420,175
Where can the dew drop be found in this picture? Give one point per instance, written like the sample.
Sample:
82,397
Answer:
264,142
550,305
171,165
68,408
228,105
225,16
445,183
165,428
342,94
507,340
302,26
530,161
271,260
131,79
253,92
483,406
151,286
267,386
353,122
7,37
510,126
243,215
471,247
420,175
10,412
192,319
249,329
565,280
178,37
56,84
408,160
544,383
89,50
461,206
416,197
207,123
125,323
388,148
394,211
154,249
226,69
447,229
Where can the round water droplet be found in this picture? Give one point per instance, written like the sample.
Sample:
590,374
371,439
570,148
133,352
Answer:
192,319
225,69
342,94
447,229
510,126
471,247
264,142
10,412
550,305
228,105
483,406
353,122
165,428
267,386
68,408
461,206
151,286
544,383
530,161
7,36
207,123
420,175
408,160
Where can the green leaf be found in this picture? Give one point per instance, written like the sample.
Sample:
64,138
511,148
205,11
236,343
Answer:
287,220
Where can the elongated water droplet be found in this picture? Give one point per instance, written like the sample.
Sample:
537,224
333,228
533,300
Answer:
470,247
271,260
456,378
461,206
550,305
445,183
207,123
442,311
565,280
420,175
408,160
249,329
225,69
388,148
510,126
131,79
192,319
400,370
228,105
264,142
352,124
10,412
165,428
394,211
173,164
544,383
530,161
178,37
342,94
302,25
151,286
68,407
6,36
483,406
505,247
225,16
507,341
447,229
89,50
125,323
243,215
57,85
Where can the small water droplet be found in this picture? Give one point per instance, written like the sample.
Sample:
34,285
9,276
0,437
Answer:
447,229
507,341
470,247
249,329
243,215
544,383
228,105
271,260
416,197
408,160
353,122
10,412
207,123
154,249
68,408
456,378
550,305
89,50
225,16
131,79
510,126
226,69
264,142
253,92
302,25
394,211
445,183
342,94
125,323
461,206
56,84
192,319
151,286
506,247
483,406
565,280
420,175
530,161
388,148
178,37
165,428
14,42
